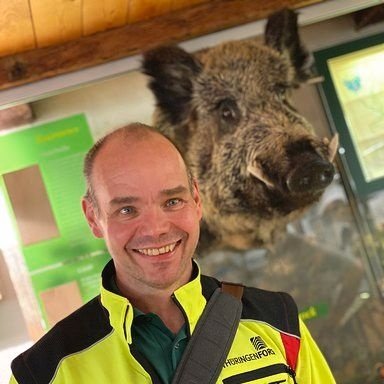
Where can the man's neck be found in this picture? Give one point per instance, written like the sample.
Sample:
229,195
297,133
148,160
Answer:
164,307
158,301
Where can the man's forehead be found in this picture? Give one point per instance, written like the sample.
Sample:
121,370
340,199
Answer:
124,162
117,161
131,143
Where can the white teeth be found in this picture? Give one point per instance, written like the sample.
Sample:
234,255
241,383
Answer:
157,251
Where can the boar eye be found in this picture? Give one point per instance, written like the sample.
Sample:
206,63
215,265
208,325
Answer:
228,113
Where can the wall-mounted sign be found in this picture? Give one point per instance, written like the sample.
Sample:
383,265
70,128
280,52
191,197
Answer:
354,93
41,178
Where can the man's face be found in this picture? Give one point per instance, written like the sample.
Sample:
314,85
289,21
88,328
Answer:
146,212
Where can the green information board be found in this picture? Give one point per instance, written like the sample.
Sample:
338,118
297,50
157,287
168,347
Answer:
41,178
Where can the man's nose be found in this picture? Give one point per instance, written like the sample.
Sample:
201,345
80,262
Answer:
154,222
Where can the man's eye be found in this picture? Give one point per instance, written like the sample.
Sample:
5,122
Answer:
127,210
173,202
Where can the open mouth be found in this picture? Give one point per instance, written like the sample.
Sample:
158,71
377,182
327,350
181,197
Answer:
158,251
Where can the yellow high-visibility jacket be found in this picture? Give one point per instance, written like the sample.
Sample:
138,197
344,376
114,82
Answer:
94,344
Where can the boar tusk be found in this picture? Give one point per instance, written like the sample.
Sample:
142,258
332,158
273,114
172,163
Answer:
256,171
332,147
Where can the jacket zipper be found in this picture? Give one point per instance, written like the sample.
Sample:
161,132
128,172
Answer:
261,373
142,360
184,315
147,366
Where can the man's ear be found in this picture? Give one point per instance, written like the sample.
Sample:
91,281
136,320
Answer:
90,215
197,198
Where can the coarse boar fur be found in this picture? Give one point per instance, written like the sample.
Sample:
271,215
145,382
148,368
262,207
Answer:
227,108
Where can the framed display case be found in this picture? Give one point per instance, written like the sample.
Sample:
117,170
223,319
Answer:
354,92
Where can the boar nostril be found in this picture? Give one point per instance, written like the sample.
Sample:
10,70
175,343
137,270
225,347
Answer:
310,177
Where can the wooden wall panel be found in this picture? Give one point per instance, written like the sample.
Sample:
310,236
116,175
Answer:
56,21
16,30
100,15
146,9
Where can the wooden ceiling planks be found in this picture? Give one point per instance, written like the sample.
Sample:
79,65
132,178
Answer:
100,15
29,24
56,22
172,27
16,28
146,9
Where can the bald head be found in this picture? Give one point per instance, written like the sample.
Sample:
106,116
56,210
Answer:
125,138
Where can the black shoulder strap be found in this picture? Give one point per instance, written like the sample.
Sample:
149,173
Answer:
212,338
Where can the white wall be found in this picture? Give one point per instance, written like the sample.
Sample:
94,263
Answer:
108,104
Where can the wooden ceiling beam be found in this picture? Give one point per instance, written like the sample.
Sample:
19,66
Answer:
368,16
134,38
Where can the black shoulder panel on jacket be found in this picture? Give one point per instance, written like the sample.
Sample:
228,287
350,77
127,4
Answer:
209,284
76,332
275,308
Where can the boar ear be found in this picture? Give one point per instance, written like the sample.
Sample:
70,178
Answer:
281,33
172,71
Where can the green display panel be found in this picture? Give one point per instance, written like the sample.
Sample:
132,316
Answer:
41,178
353,94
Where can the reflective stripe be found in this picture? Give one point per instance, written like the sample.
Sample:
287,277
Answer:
258,374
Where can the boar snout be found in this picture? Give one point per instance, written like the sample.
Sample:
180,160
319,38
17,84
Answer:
310,176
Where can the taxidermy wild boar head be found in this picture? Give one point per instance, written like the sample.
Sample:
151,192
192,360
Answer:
227,108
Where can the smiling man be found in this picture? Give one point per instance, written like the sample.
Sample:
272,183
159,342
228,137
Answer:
148,215
142,199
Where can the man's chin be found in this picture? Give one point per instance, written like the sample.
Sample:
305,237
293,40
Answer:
165,279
